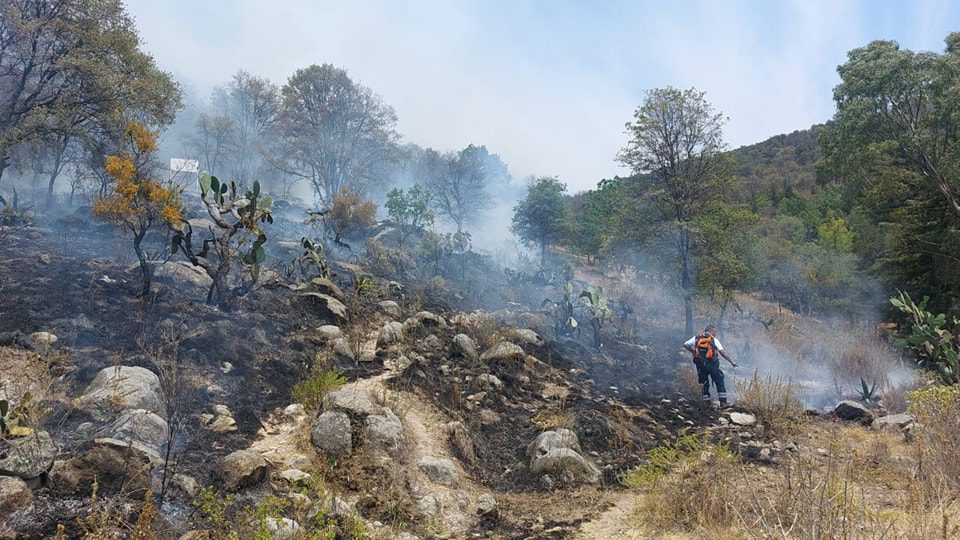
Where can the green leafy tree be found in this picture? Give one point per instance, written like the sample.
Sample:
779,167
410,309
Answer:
541,218
675,151
409,210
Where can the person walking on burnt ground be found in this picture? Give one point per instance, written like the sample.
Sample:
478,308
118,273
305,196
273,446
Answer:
707,350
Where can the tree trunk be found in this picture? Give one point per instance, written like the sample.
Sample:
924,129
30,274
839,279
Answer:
146,271
53,179
686,282
723,312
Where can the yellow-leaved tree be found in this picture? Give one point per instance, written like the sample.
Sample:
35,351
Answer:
138,200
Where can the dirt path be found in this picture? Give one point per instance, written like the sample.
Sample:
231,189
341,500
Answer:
614,522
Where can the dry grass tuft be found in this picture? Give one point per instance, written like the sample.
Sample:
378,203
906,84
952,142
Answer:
773,401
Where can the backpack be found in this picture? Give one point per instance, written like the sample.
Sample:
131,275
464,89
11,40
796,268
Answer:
706,348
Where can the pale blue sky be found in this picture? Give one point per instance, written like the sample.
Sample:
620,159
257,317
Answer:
546,84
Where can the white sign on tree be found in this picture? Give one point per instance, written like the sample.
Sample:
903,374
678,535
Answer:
184,165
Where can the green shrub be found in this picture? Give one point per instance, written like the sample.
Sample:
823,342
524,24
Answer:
310,391
934,346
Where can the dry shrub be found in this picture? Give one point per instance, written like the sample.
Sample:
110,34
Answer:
773,401
687,487
687,384
937,409
485,331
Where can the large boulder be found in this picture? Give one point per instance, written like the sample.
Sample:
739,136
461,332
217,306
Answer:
330,307
28,457
115,468
329,332
464,346
352,401
390,333
525,336
462,443
853,412
428,319
328,287
439,470
385,432
141,426
331,433
503,352
123,387
557,454
243,469
391,308
179,272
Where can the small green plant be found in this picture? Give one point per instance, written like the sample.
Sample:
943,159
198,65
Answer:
213,507
13,420
13,212
867,392
598,310
934,346
313,261
310,391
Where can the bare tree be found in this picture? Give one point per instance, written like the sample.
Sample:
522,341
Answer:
214,141
459,183
251,104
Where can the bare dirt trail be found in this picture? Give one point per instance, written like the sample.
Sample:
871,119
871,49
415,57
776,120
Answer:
615,521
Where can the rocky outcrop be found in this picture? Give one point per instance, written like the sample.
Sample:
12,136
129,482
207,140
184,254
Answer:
352,401
115,467
28,457
465,347
893,422
243,469
14,495
439,470
141,426
384,432
526,336
390,334
123,387
391,308
329,332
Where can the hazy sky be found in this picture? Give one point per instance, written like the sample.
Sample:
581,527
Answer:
546,84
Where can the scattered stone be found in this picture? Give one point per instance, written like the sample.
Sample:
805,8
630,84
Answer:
14,495
853,412
28,457
550,440
390,333
391,308
528,337
182,272
764,454
295,477
352,401
328,287
411,327
123,387
43,339
432,343
892,422
439,470
427,318
503,352
557,453
331,433
489,381
282,528
487,505
242,469
185,486
205,418
462,443
341,347
141,426
464,346
546,482
223,424
743,419
477,398
330,307
385,432
226,368
488,417
430,504
329,332
400,365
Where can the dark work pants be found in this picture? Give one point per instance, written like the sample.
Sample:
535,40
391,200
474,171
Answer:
708,370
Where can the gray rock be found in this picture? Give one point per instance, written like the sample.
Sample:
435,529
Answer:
295,477
223,424
462,443
411,327
546,482
464,346
29,457
14,495
892,422
179,272
185,486
390,333
391,308
528,337
439,470
429,319
549,440
743,419
43,339
853,412
489,381
503,352
329,332
330,307
242,469
325,286
488,417
368,350
567,465
123,387
352,401
142,426
331,433
430,504
385,432
341,347
487,505
282,528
